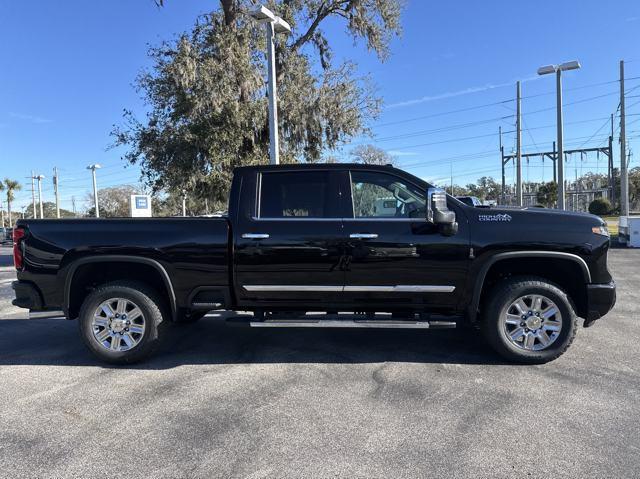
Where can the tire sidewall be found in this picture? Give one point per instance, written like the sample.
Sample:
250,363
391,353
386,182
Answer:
141,300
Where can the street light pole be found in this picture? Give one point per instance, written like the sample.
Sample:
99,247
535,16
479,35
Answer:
273,24
558,69
93,169
560,139
274,151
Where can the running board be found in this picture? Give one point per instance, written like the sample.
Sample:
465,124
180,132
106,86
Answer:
46,314
343,323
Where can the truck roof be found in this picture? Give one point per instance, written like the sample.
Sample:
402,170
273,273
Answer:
316,166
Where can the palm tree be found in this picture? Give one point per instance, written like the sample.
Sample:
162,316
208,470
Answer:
10,186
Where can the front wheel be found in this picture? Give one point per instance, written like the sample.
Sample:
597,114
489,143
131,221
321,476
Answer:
529,320
119,321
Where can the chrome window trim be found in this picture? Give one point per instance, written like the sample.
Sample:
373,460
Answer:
294,218
383,218
307,218
401,288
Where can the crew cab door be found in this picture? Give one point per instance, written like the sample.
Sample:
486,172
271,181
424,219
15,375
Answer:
288,243
394,256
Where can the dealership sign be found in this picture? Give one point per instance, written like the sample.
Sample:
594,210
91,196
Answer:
140,206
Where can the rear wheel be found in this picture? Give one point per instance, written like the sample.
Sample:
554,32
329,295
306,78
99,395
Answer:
529,320
119,321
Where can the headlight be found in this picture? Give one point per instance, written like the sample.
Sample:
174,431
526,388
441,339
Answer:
600,230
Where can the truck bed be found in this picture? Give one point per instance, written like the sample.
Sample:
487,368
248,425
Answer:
194,252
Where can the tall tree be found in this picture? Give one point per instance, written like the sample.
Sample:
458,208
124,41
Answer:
486,188
207,100
371,155
11,186
547,194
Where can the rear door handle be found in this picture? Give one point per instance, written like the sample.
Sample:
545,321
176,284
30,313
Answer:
255,236
363,235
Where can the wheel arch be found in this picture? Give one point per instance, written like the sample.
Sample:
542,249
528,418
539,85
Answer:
75,269
577,269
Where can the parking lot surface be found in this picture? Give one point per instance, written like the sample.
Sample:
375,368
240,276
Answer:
224,401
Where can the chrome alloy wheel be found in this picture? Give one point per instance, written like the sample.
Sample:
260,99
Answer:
118,324
532,322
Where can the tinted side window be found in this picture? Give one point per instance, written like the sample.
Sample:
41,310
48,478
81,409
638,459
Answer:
381,195
296,194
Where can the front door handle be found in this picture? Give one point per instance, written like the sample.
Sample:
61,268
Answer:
255,235
363,235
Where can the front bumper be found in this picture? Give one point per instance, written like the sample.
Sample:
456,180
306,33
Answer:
600,300
27,296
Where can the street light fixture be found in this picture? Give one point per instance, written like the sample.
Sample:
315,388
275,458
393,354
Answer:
558,69
93,169
274,25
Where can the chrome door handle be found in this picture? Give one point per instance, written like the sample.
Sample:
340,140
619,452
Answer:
363,235
255,236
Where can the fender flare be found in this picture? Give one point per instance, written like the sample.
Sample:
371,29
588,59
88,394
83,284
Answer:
121,259
477,290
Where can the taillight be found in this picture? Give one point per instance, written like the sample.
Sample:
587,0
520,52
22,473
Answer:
18,259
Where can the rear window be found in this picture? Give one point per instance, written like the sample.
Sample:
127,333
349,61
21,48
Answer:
295,194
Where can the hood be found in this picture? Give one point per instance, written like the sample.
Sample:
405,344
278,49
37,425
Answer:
535,228
534,216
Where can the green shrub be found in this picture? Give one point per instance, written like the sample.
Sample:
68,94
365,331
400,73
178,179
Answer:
600,206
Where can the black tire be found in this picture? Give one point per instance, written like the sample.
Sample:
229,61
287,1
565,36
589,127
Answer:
145,298
508,291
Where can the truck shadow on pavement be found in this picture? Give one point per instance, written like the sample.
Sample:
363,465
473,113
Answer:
210,341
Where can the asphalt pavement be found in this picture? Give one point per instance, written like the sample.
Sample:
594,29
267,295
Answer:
225,401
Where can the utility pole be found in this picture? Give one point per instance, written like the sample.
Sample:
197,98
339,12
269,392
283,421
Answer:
184,202
554,160
624,177
40,178
611,176
33,194
93,169
518,146
451,171
502,164
55,189
73,205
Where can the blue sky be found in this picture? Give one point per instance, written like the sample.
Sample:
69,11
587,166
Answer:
68,68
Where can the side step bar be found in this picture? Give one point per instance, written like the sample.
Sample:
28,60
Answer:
344,323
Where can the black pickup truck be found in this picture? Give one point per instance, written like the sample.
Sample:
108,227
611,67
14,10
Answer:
304,245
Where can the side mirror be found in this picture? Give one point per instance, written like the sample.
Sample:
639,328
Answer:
439,213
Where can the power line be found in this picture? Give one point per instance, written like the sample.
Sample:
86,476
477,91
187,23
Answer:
435,130
435,115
